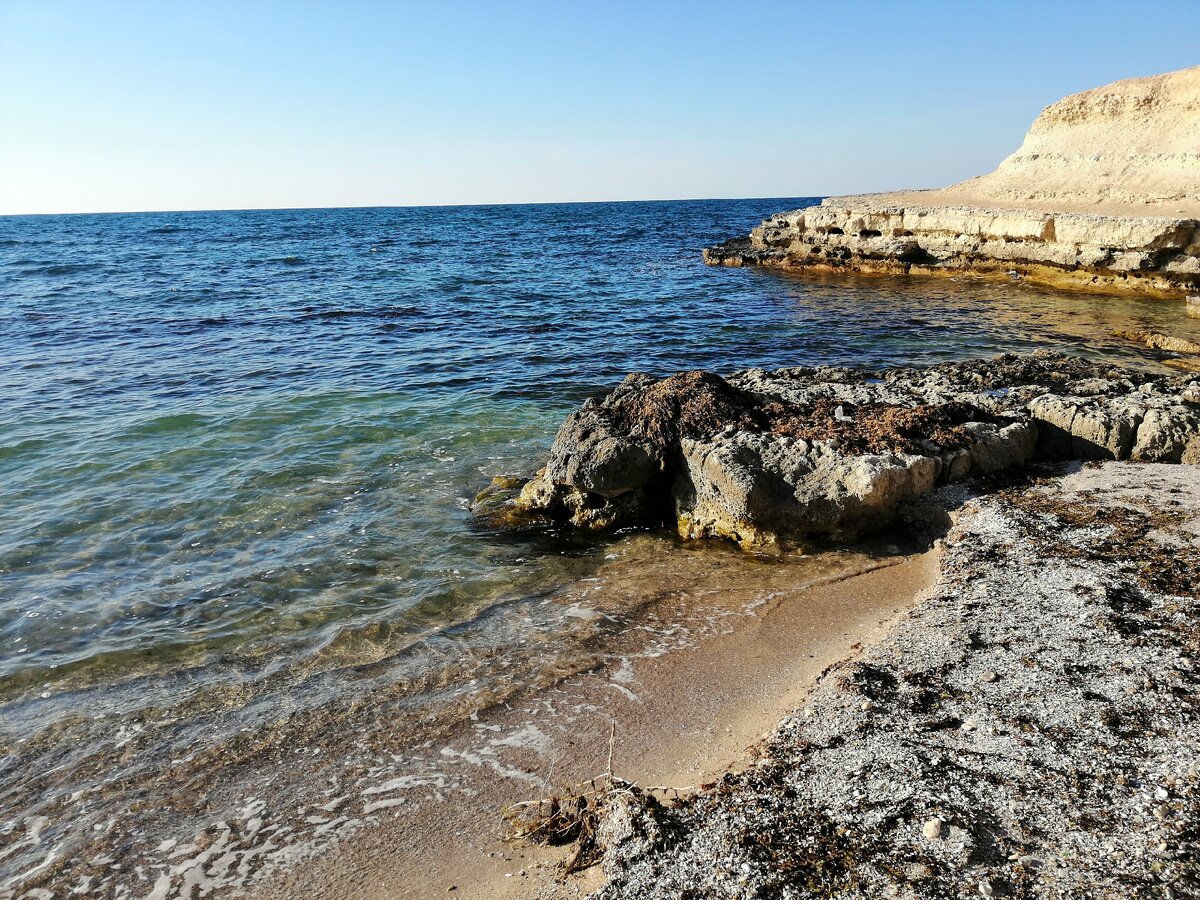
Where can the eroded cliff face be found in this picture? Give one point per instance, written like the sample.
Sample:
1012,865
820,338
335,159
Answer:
1132,147
1103,195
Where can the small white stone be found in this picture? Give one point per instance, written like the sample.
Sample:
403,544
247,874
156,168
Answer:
932,829
985,888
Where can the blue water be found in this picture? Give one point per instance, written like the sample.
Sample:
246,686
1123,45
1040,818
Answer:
237,450
239,431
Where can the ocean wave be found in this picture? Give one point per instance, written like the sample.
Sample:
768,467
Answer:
388,312
57,269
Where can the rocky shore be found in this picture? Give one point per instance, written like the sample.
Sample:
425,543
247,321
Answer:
1103,195
778,459
1030,729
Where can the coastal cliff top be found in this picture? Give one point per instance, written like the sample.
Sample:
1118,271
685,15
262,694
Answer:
1127,148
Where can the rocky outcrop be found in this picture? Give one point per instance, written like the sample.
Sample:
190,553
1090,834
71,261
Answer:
1158,341
1152,256
771,459
1103,195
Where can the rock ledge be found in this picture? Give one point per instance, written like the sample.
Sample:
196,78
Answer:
777,459
1103,195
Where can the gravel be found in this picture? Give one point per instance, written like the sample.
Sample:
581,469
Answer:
1030,729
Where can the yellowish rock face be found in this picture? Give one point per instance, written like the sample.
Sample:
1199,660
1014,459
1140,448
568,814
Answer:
1131,148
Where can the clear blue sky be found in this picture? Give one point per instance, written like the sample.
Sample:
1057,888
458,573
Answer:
163,105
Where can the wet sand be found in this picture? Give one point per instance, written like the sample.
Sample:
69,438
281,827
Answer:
681,717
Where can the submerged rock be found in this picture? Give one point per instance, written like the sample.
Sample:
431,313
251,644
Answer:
1156,340
770,459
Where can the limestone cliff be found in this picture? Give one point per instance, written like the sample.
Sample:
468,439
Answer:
1103,194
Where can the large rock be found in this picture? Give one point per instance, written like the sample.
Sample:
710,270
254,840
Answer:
1103,195
778,458
758,490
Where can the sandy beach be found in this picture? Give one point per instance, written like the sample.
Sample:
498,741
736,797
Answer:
681,718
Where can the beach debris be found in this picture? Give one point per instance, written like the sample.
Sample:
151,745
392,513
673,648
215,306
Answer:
594,815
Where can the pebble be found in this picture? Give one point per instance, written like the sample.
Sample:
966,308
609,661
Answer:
932,829
988,677
985,888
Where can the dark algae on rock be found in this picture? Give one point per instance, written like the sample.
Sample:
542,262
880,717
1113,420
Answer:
778,459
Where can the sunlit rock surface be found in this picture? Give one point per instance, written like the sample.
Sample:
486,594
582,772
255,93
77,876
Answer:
1103,195
772,459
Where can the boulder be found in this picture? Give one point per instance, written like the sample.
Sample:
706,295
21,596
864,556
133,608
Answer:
760,491
775,459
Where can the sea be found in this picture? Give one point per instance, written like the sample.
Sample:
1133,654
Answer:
238,452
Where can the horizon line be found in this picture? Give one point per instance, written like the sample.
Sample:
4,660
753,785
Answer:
135,212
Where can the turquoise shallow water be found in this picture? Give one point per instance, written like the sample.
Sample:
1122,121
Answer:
237,451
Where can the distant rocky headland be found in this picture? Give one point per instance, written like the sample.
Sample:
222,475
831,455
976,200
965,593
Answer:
1103,195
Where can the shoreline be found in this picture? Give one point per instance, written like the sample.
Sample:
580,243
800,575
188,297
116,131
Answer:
1098,281
1030,729
1068,563
681,717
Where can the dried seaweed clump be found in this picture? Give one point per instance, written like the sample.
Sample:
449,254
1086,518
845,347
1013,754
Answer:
878,427
688,405
698,405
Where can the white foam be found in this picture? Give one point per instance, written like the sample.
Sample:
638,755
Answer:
405,782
